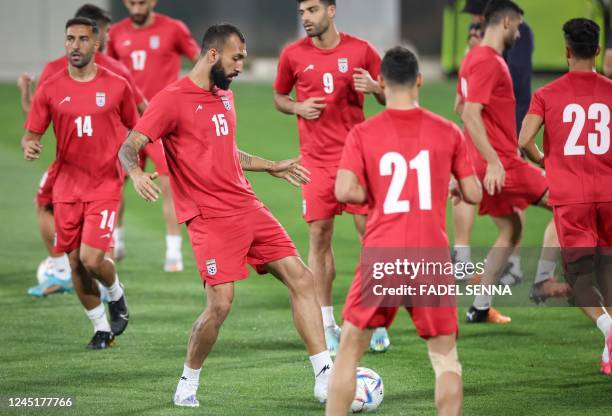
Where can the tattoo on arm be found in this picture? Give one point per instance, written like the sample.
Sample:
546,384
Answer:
246,160
128,154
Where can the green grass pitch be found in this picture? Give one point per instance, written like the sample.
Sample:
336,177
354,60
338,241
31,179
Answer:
544,363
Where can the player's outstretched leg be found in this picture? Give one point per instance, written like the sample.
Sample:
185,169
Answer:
445,362
513,273
103,269
321,261
509,228
204,334
343,377
463,221
174,256
306,316
87,291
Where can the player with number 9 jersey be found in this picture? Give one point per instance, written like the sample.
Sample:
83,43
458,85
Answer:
90,120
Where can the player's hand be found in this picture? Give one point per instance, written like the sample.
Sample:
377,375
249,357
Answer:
145,187
291,171
495,177
364,82
31,150
24,81
311,108
454,192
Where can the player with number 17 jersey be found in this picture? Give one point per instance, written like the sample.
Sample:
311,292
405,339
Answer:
89,121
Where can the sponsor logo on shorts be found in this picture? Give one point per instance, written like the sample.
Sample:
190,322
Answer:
211,267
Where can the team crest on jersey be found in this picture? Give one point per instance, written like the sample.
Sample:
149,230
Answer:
211,267
343,65
154,42
226,103
100,99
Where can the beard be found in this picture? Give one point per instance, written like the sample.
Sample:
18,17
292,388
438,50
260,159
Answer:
317,30
218,76
139,19
82,62
510,41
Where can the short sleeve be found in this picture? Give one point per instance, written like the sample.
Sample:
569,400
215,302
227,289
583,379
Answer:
46,74
110,46
479,84
39,116
187,46
462,162
352,156
129,112
537,104
373,61
285,77
159,119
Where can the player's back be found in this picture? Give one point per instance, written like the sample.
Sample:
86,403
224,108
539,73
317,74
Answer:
408,157
576,113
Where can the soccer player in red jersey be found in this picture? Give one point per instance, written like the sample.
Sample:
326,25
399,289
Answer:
400,162
510,183
56,273
330,72
90,108
151,45
575,110
227,224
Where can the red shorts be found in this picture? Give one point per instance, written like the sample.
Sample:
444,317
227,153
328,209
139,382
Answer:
222,247
44,196
428,321
90,223
525,185
319,199
155,152
585,228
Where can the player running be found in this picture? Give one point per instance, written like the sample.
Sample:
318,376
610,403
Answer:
400,162
575,112
151,45
90,108
196,116
56,273
330,72
510,183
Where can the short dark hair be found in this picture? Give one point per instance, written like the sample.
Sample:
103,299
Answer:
400,66
75,21
95,13
582,37
325,2
496,10
217,35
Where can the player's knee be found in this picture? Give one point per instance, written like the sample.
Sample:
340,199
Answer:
218,311
91,262
321,234
445,363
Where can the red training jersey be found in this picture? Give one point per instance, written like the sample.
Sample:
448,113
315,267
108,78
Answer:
61,63
404,159
484,78
327,73
89,122
576,113
199,130
152,53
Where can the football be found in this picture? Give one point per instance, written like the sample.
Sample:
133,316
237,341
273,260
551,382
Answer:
369,392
